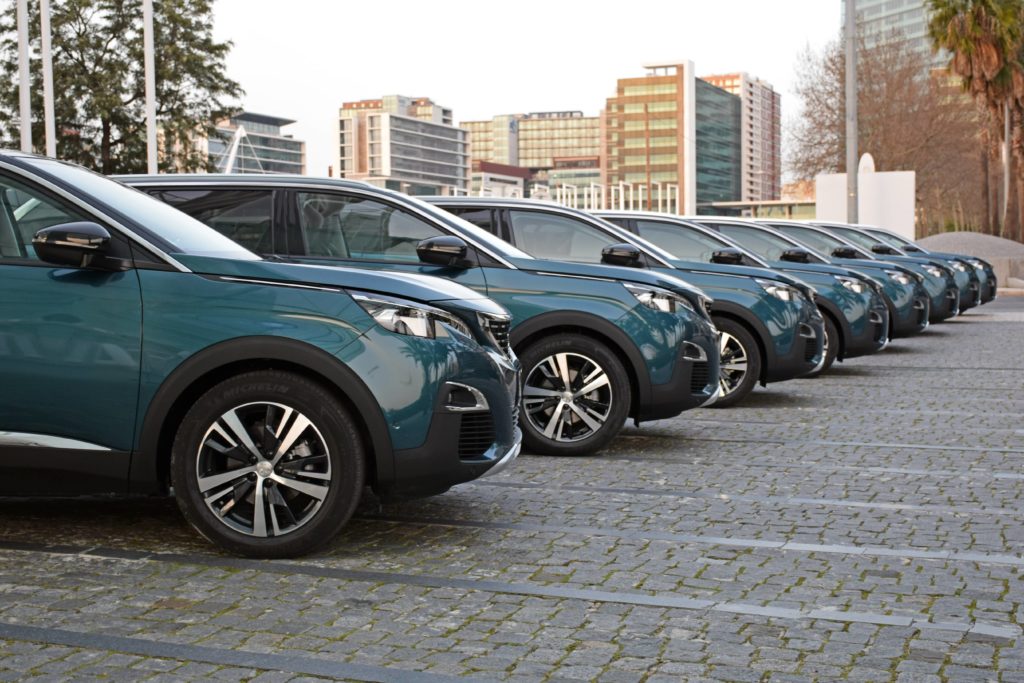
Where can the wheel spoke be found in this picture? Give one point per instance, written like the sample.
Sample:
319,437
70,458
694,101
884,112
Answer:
563,370
532,391
312,490
215,480
230,418
297,428
723,342
593,384
587,419
259,514
736,367
554,424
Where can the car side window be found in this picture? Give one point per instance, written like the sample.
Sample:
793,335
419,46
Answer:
24,212
559,238
482,218
243,216
765,246
681,242
349,226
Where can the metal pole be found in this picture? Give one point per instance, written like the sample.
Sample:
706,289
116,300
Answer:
24,85
1006,170
851,111
150,69
48,117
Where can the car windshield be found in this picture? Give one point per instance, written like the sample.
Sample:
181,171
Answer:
762,243
498,246
892,240
815,239
184,234
858,238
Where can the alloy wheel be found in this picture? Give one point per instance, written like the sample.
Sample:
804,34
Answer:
567,397
733,366
263,469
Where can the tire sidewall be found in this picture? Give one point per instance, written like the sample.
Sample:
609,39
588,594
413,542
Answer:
335,425
617,376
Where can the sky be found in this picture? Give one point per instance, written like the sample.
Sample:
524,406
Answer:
302,58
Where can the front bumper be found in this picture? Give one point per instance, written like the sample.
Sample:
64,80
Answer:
694,380
911,318
806,352
464,441
873,335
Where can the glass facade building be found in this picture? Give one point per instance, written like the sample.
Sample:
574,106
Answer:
718,144
403,143
261,146
881,21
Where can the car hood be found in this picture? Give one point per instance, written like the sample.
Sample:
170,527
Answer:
722,269
402,284
814,268
641,276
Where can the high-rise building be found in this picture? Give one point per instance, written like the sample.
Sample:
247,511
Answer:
403,143
671,141
494,140
881,21
534,140
761,133
254,143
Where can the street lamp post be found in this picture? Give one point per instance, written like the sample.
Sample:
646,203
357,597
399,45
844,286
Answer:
851,111
24,84
150,73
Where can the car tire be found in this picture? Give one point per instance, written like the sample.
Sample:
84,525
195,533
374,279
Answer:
738,348
832,341
268,464
561,363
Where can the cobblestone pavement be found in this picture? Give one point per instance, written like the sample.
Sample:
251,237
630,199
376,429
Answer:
864,526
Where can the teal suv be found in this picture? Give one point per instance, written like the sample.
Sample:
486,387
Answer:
141,350
771,328
597,344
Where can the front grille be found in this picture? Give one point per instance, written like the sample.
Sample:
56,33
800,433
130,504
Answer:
476,435
499,329
699,377
810,349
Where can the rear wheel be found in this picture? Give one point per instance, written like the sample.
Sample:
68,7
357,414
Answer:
268,464
575,395
831,349
740,364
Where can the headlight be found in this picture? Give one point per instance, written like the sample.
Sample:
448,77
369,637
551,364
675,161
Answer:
657,298
934,271
852,284
958,266
778,289
409,317
897,276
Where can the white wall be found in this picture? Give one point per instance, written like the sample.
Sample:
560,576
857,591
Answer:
885,200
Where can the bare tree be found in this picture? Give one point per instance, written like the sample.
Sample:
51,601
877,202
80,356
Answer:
909,119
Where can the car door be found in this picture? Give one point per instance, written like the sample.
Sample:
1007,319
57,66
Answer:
321,226
70,344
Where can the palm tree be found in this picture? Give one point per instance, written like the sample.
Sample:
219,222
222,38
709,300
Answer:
985,40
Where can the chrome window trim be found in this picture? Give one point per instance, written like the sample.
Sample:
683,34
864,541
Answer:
276,283
88,208
47,441
313,185
575,277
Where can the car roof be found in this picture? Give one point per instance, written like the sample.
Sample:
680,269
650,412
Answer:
238,179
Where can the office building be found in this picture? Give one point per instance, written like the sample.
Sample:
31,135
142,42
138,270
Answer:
403,143
490,179
881,21
254,143
534,140
761,135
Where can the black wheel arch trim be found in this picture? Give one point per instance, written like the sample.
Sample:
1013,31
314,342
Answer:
146,476
623,345
744,316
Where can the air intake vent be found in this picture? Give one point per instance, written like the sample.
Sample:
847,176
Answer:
476,435
699,377
498,329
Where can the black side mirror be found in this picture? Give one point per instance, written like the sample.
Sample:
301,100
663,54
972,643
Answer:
796,255
443,250
728,257
882,249
911,248
624,254
81,244
846,252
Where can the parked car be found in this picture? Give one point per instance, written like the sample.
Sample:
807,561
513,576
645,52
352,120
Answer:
984,270
953,286
975,278
597,344
771,329
856,317
909,302
141,350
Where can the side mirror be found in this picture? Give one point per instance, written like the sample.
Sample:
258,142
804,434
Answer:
846,252
624,254
882,249
81,244
728,257
911,248
443,250
796,256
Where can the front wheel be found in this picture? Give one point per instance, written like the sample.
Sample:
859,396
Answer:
740,364
575,395
831,349
268,464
